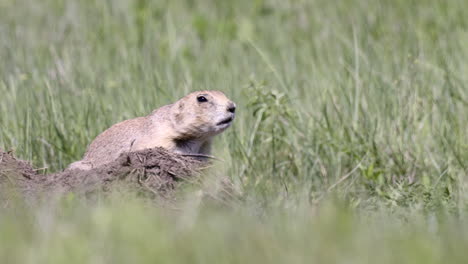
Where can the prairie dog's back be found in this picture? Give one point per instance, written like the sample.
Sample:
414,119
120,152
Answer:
108,145
118,138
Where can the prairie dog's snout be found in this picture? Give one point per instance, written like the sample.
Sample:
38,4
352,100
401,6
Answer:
231,107
228,117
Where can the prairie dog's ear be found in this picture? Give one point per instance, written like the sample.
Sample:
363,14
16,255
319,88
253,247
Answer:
178,113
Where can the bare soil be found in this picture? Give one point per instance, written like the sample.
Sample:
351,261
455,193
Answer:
154,172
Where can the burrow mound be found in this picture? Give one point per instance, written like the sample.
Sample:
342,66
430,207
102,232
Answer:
154,171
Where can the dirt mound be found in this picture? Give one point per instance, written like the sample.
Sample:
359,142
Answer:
153,171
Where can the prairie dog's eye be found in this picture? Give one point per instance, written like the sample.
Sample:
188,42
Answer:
202,99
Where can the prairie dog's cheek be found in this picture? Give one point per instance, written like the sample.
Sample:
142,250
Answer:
179,118
208,119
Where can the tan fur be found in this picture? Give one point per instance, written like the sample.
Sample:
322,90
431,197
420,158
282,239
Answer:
187,126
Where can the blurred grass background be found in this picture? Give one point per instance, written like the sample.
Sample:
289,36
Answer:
349,146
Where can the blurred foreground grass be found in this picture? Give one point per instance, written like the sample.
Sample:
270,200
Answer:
365,101
134,232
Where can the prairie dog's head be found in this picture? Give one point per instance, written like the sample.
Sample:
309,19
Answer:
202,114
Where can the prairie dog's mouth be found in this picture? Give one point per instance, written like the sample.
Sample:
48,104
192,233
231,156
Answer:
225,121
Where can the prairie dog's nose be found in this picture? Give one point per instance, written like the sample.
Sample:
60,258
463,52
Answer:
231,107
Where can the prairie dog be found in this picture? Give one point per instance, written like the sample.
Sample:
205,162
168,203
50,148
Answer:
186,126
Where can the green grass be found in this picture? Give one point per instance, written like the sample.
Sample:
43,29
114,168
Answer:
350,144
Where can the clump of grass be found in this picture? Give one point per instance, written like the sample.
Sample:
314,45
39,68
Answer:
271,147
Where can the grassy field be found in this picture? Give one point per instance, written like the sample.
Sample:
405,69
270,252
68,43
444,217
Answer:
350,143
